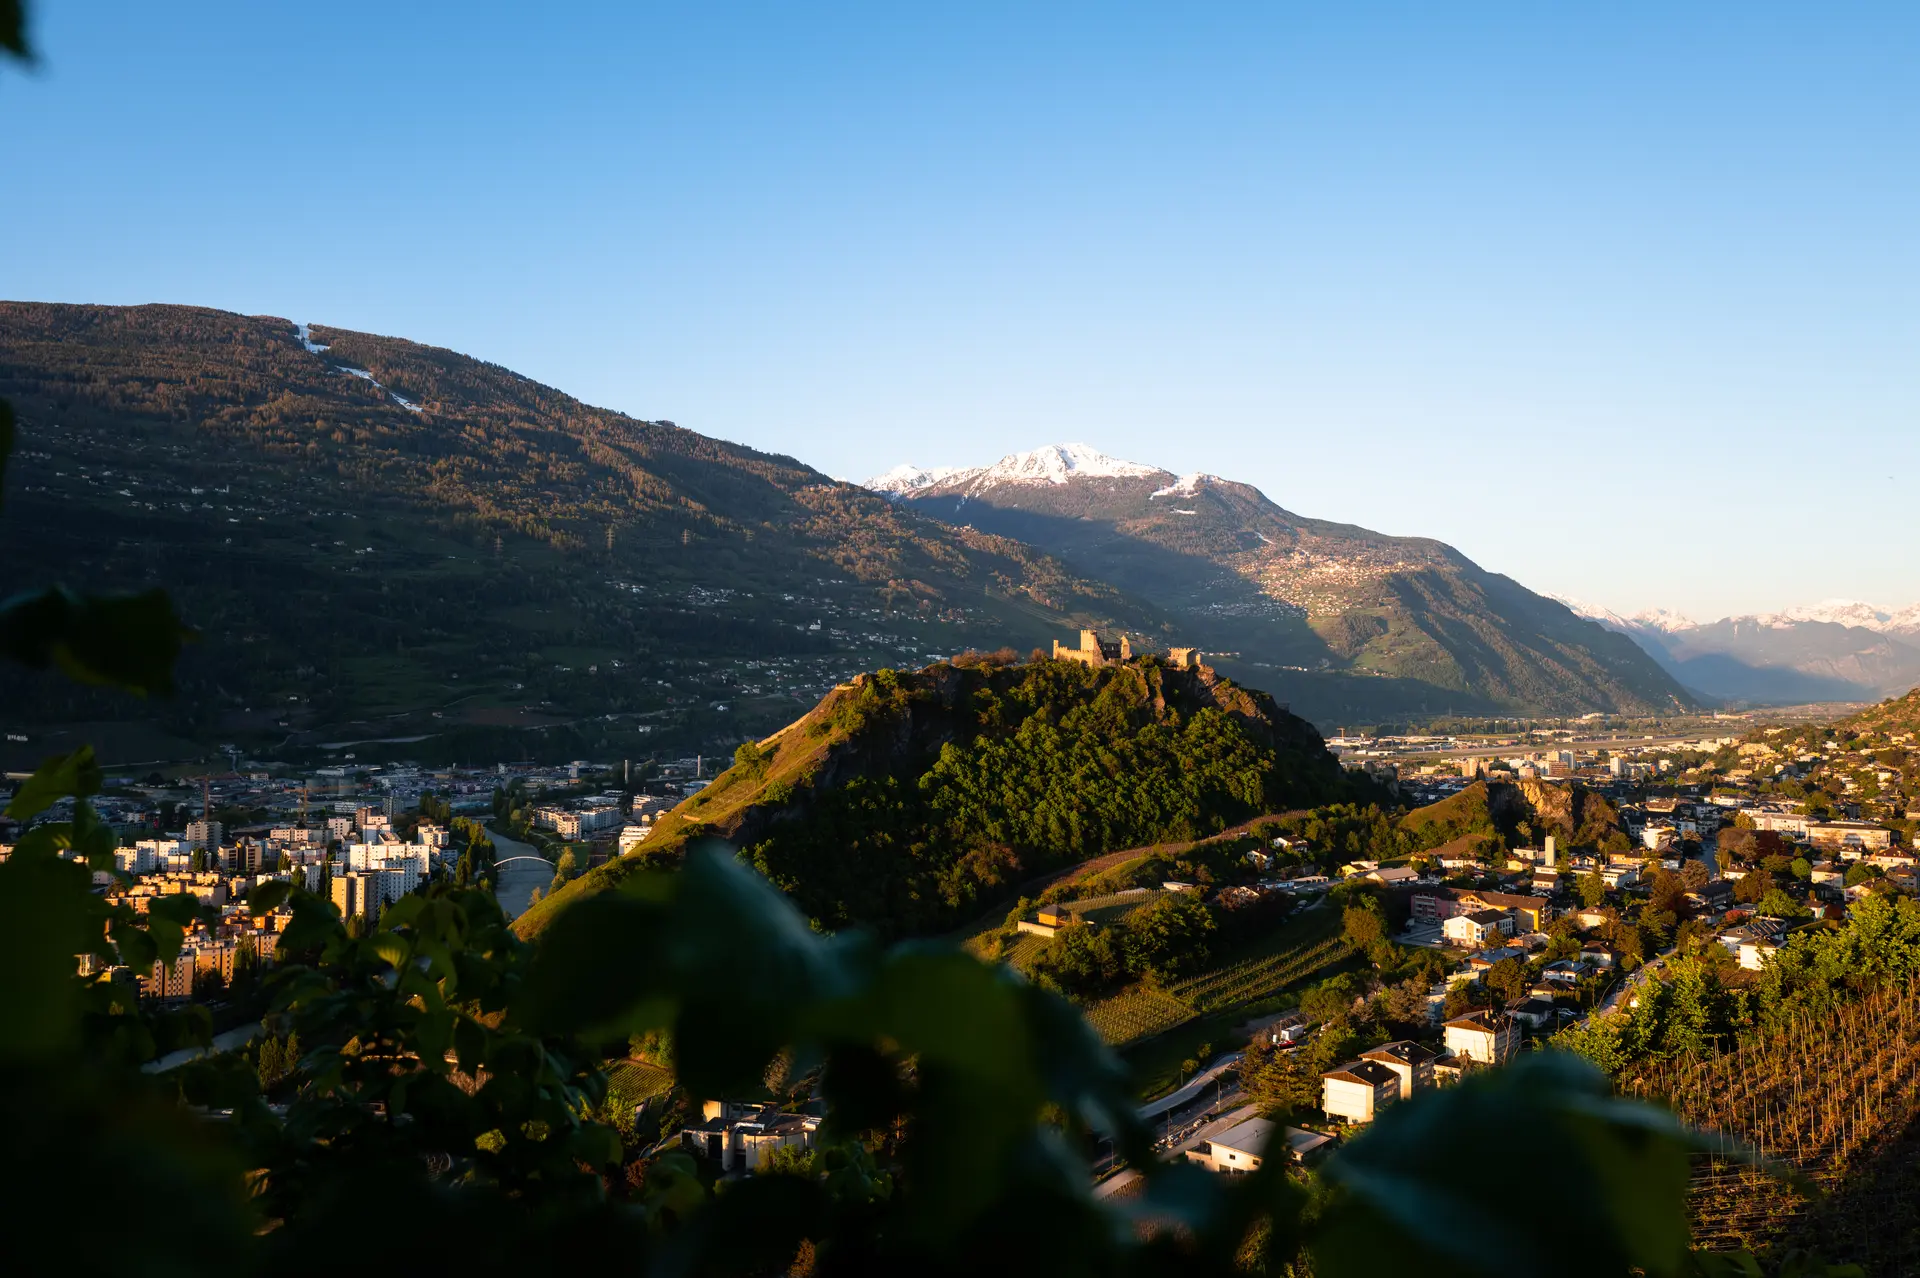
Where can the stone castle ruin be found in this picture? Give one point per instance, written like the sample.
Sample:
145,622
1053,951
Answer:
1095,651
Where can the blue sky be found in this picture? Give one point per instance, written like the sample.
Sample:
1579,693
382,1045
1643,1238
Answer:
1622,300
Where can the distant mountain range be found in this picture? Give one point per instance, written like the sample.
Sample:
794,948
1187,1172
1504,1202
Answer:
394,544
1836,650
1331,608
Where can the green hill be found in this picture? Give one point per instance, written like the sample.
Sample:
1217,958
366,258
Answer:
1522,813
381,539
907,802
1891,717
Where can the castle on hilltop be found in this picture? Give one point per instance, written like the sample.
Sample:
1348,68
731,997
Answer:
1095,651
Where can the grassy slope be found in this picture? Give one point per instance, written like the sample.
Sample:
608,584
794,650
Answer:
1894,715
1456,815
1156,1061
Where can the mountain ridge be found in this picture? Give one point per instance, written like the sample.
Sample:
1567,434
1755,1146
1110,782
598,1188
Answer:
1852,613
380,538
1836,650
1295,594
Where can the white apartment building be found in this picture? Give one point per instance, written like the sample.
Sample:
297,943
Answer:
1490,1038
414,858
1477,928
585,823
1358,1091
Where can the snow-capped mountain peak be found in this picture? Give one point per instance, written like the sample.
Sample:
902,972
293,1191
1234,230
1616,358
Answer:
1054,464
908,478
1661,619
1838,612
1060,463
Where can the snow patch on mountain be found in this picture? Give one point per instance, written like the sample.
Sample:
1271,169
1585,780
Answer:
1185,486
363,374
306,339
1060,464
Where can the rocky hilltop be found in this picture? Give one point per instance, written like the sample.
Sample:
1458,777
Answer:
905,800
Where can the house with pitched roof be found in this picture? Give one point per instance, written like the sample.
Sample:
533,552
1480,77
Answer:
1358,1091
1491,1038
1412,1063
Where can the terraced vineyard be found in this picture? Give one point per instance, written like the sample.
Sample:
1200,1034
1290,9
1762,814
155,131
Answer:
1137,1012
1141,1011
1837,1099
1251,979
1025,948
631,1082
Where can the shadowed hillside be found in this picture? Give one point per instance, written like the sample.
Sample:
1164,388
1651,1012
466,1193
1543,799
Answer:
906,801
382,539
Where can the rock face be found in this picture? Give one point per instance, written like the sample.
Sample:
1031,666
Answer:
1522,813
1573,814
1307,596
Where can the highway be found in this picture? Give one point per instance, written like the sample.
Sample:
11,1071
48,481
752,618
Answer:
1179,1117
1536,747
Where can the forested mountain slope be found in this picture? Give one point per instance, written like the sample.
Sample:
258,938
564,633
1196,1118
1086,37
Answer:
1286,591
382,539
905,801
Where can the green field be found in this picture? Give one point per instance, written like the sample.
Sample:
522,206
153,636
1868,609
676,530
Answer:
1266,968
631,1082
1156,1061
1137,1012
1161,1028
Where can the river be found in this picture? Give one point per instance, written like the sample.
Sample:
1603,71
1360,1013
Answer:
515,881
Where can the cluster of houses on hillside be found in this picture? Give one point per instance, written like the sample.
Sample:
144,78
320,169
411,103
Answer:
1359,1090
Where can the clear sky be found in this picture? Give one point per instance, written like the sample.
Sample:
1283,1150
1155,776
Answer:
1621,299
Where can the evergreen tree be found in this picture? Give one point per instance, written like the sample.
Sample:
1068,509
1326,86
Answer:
269,1064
